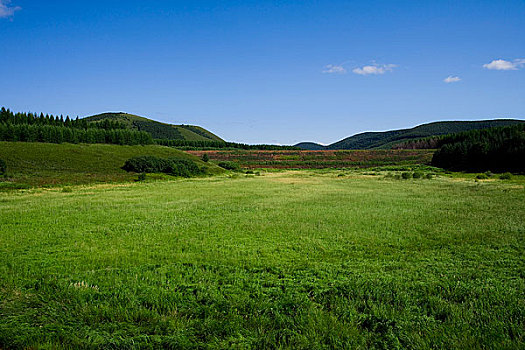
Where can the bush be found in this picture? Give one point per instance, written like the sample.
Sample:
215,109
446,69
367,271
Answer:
417,175
182,167
142,177
406,175
172,166
482,177
505,176
429,176
229,165
146,164
3,167
205,158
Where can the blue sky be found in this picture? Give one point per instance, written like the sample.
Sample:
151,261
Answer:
267,71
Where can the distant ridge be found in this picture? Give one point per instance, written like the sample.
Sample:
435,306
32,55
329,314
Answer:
387,139
310,146
157,129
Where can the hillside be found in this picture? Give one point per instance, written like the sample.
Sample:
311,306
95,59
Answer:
386,139
47,164
158,130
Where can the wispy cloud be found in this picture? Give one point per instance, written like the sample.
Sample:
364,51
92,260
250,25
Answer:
505,65
7,11
451,79
374,69
334,69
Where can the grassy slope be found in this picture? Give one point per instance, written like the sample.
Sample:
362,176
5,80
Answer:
158,129
386,139
293,260
46,163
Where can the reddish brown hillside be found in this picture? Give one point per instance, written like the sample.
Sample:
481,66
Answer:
319,159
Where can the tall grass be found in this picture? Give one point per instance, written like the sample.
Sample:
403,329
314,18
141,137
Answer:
284,260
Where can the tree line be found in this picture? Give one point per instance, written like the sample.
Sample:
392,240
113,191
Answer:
496,149
199,145
8,117
33,127
30,127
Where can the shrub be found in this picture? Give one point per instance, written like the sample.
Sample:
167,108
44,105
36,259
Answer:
3,167
142,177
429,176
488,173
417,175
182,167
228,165
505,176
146,164
406,175
482,177
67,189
172,166
205,158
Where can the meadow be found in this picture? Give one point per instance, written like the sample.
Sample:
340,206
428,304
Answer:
297,259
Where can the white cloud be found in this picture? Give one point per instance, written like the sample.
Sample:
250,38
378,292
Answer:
334,69
505,65
451,79
374,69
7,11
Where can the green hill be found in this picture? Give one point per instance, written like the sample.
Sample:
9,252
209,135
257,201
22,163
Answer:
386,139
39,164
157,129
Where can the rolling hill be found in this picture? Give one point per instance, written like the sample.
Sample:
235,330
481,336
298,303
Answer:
386,139
157,129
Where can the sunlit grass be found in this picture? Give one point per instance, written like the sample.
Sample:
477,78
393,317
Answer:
288,259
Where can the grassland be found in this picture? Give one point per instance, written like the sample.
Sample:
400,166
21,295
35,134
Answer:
38,164
306,259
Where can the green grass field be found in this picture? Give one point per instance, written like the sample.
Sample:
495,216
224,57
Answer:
305,260
40,164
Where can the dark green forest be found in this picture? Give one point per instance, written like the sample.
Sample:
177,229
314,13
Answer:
31,127
496,149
